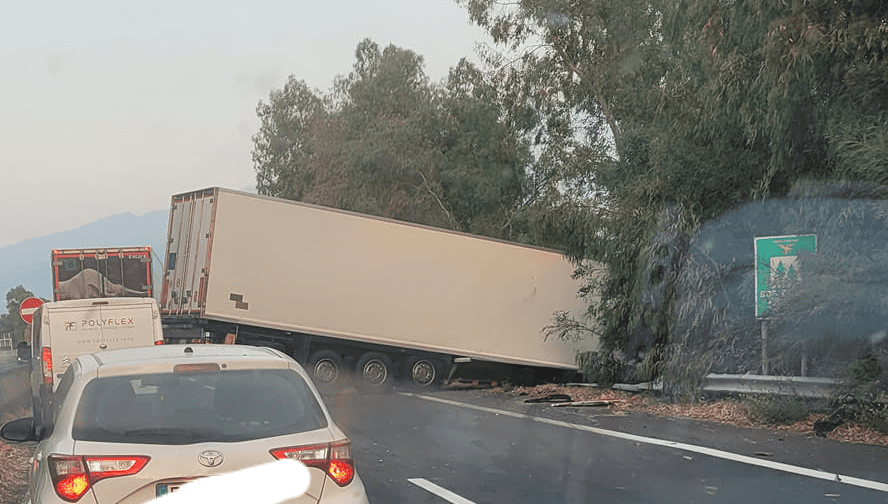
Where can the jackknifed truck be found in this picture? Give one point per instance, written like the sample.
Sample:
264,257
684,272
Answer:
346,293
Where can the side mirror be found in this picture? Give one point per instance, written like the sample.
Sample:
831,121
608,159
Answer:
23,429
23,352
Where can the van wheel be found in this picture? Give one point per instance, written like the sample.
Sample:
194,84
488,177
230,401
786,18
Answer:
37,411
374,371
325,367
42,413
421,372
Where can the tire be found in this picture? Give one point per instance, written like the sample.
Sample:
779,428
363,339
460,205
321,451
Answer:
421,372
325,367
37,412
374,371
42,410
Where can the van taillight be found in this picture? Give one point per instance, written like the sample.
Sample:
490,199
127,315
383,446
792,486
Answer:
159,342
46,357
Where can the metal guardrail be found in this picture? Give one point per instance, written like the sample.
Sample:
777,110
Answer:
799,386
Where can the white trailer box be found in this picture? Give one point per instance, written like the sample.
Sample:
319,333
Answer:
298,268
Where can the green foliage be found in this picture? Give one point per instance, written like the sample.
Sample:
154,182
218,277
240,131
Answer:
11,321
834,316
386,141
867,377
605,368
651,118
866,370
651,367
776,409
862,397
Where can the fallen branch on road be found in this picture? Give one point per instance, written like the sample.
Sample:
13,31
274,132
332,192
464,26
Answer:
587,403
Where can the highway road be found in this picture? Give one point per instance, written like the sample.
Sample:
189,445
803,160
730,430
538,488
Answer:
470,447
474,447
7,361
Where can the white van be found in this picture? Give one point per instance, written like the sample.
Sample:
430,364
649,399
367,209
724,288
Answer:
64,330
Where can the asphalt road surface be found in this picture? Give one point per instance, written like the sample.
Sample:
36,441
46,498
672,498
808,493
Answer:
470,447
7,361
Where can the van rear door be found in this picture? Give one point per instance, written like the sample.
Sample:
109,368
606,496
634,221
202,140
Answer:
101,324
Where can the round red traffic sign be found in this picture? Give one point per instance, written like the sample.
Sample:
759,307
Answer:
28,307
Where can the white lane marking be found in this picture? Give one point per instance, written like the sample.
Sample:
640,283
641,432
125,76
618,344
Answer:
779,466
440,492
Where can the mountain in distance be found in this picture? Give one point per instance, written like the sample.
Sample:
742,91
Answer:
27,263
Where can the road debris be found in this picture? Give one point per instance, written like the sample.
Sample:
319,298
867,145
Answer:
585,403
725,411
550,398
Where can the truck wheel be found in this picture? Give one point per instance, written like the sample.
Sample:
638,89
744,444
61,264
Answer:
325,367
421,372
374,370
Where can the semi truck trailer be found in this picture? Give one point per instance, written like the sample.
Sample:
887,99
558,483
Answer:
347,293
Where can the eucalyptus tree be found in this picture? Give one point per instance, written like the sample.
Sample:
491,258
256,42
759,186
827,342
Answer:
11,321
650,118
387,141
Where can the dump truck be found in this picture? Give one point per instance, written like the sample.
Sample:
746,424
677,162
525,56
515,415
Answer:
347,293
86,273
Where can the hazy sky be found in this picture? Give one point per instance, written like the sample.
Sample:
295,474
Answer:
110,106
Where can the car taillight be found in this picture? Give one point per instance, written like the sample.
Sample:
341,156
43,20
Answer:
158,342
333,458
72,476
47,365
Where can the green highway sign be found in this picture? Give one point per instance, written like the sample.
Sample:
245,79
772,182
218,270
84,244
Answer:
776,266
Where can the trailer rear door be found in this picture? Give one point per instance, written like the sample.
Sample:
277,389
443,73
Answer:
188,249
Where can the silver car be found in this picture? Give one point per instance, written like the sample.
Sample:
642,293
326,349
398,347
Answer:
135,424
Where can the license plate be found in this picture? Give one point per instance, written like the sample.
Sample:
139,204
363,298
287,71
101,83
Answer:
167,488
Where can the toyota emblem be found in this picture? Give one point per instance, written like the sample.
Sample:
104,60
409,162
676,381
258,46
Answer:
210,458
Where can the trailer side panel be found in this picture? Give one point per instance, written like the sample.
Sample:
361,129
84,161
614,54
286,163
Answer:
308,269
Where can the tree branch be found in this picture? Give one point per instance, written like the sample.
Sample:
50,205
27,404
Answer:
447,212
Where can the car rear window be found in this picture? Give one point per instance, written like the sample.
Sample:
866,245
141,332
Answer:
196,407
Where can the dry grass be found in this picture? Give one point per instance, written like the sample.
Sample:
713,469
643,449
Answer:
14,461
726,411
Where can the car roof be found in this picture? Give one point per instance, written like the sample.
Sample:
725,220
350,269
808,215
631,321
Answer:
163,358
